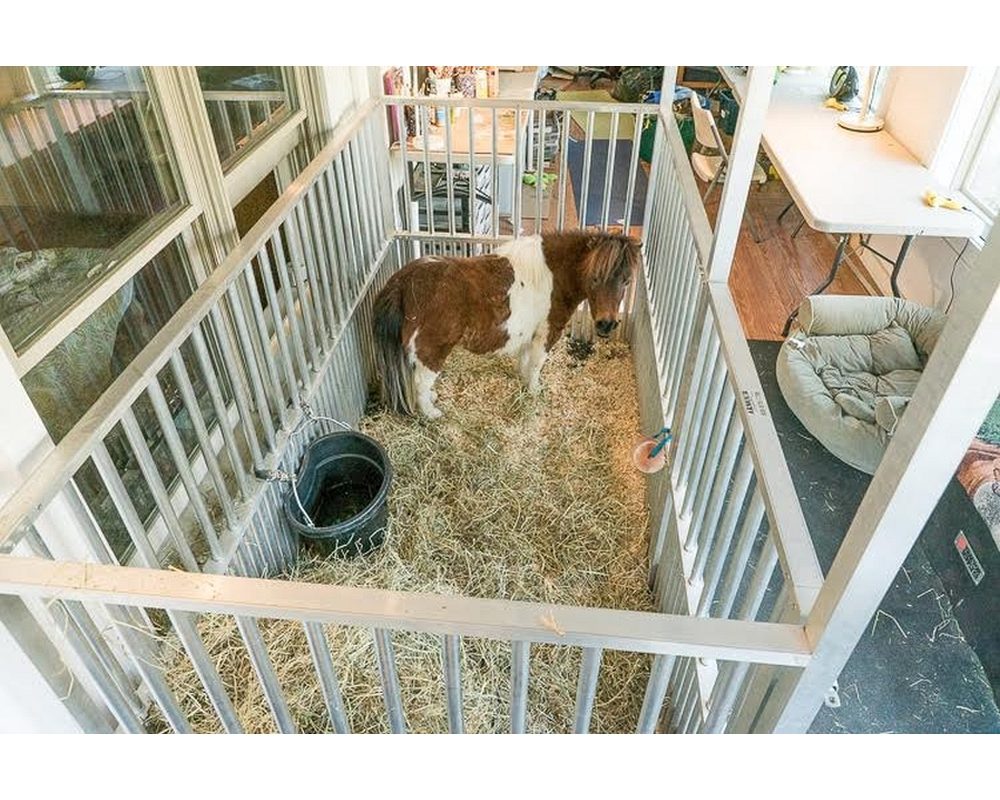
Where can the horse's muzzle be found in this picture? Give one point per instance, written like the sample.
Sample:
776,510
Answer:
605,327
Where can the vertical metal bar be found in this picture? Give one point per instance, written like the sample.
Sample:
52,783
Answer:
342,265
741,555
327,674
721,538
727,687
695,413
221,410
564,176
187,632
227,128
390,680
766,562
151,674
330,272
656,690
296,264
540,171
96,174
585,185
609,171
400,113
285,351
264,670
151,474
310,243
472,171
366,184
296,321
518,175
586,688
115,168
32,155
712,417
700,486
203,437
245,118
428,182
633,167
133,161
381,190
179,455
115,686
724,538
279,400
450,165
520,652
451,652
253,372
352,232
494,175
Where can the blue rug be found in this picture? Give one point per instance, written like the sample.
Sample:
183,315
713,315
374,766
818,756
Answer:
619,182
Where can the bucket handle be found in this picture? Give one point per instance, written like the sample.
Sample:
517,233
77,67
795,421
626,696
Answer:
290,477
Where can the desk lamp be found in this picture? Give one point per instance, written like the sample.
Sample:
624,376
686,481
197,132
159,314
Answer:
864,120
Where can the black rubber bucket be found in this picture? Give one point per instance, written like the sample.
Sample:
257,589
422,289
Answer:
343,484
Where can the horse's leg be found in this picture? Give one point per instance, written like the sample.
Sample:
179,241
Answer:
532,358
423,380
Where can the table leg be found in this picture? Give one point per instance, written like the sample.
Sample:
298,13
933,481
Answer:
898,264
837,259
785,210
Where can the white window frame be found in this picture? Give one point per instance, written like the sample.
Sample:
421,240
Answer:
973,151
135,252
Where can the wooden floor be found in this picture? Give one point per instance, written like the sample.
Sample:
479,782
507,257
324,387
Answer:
770,278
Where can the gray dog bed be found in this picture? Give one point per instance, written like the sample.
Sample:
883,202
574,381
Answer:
850,370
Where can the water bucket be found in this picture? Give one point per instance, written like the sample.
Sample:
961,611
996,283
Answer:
337,503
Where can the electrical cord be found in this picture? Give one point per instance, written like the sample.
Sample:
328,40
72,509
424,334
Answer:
951,280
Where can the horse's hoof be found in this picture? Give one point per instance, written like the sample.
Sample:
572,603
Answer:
433,413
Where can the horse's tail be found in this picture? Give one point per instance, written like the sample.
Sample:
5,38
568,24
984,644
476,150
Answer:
390,355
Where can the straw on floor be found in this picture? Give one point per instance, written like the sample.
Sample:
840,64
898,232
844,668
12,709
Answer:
508,496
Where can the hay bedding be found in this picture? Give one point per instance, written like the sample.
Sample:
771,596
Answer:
508,496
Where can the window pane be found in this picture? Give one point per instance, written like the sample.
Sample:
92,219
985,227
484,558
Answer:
84,176
73,376
983,184
243,103
69,379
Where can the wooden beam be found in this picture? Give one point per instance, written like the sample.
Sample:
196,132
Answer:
634,631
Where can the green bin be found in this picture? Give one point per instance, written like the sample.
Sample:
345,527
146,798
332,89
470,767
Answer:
729,110
648,138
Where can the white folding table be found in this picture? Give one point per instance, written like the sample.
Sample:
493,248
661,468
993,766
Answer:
845,182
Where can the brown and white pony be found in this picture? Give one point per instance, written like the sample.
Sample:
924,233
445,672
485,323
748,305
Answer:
515,301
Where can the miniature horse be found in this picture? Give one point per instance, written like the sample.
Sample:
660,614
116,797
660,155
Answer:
516,302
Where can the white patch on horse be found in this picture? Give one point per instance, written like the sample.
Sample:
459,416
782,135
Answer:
529,296
423,381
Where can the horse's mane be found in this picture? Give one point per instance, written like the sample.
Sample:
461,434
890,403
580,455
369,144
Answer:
611,257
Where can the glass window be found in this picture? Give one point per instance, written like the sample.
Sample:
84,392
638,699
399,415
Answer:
65,383
983,181
243,104
85,175
79,369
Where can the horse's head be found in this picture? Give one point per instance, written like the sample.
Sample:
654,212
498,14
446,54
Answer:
609,268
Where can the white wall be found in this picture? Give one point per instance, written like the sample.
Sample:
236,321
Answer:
919,105
346,87
931,111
